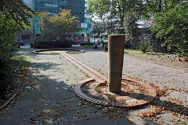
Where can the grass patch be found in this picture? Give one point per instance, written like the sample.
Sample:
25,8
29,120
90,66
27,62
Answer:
91,47
140,54
15,76
132,52
162,55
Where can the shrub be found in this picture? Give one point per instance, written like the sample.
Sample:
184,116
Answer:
42,43
16,69
84,44
171,28
63,44
144,47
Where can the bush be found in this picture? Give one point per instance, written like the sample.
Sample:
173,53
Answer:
171,28
7,46
63,43
16,69
42,43
84,44
144,47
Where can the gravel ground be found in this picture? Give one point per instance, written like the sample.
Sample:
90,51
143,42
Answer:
136,68
162,76
51,99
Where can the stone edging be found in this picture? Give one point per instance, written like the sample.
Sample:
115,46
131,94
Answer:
100,79
57,49
130,104
12,97
79,92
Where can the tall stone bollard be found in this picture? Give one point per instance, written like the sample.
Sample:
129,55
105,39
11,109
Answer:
116,45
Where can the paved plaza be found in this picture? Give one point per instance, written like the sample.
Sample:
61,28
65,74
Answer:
48,97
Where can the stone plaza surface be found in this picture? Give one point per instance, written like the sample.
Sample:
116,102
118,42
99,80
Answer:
52,100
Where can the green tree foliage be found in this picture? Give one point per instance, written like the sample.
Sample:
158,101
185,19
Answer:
126,11
122,15
157,6
46,25
6,40
58,26
171,27
144,47
170,19
13,18
99,7
17,11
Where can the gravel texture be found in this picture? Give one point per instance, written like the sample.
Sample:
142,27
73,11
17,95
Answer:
52,100
136,68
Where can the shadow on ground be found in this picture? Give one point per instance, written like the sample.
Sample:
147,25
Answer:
51,100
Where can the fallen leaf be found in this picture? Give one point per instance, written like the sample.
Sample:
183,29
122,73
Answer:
32,110
37,86
50,121
46,111
130,119
32,120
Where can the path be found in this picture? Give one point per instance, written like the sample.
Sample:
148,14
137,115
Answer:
52,100
162,76
136,68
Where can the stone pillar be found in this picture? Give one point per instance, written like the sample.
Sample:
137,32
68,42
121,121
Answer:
116,45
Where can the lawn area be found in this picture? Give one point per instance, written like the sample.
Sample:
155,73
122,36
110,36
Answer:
138,53
153,55
91,47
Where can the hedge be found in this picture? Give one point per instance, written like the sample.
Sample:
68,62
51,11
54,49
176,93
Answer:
45,44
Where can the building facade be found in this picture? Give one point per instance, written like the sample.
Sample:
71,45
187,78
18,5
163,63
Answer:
77,8
26,36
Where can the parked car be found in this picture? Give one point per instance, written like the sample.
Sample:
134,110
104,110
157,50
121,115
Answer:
74,42
19,43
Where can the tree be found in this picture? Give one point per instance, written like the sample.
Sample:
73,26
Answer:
99,7
64,23
121,14
102,28
14,16
157,6
17,10
126,12
46,25
170,24
169,17
59,25
171,28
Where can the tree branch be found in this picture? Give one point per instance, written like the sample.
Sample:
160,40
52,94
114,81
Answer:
149,4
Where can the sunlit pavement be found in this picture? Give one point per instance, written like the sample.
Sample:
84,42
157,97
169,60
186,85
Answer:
26,46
